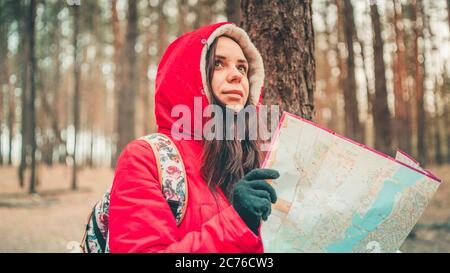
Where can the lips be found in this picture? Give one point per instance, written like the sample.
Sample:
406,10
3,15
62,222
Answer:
235,92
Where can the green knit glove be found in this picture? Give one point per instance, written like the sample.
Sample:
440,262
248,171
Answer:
252,197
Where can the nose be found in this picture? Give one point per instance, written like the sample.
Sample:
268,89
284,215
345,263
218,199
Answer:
234,75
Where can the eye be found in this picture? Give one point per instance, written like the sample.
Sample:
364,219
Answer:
218,63
242,68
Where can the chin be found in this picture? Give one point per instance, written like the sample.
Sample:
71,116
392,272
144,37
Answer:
235,107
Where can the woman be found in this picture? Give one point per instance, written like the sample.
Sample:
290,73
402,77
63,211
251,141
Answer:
227,195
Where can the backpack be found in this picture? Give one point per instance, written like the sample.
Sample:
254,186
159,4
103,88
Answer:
172,177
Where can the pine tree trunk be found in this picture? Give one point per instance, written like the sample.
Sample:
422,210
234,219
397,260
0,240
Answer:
11,119
56,89
205,12
25,75
283,33
161,44
381,116
340,55
162,29
145,85
448,12
76,92
438,157
127,93
32,63
47,147
1,121
3,69
182,13
233,11
352,124
447,125
118,46
403,129
365,127
419,81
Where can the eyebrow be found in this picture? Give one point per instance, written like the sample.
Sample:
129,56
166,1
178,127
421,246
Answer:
224,58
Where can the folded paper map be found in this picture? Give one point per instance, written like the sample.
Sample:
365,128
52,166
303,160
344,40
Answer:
336,195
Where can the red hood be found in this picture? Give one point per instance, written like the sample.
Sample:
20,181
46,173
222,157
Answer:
181,73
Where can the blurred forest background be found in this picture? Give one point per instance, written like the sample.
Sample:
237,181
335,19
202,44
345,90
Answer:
77,84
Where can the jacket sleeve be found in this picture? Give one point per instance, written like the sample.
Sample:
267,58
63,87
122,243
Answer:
140,219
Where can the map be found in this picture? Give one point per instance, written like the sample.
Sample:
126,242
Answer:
336,195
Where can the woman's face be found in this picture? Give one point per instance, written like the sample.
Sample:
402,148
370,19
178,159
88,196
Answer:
229,80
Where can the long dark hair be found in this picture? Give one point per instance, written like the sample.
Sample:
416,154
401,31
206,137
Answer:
227,161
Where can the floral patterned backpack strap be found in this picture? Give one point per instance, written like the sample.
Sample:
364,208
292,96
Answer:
172,174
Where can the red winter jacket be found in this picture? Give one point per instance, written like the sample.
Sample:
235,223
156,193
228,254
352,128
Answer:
140,219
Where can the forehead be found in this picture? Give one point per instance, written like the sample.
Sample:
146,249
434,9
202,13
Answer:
229,48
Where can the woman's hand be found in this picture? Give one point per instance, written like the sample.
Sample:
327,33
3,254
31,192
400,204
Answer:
252,197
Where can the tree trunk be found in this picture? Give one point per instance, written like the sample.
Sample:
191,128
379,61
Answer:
233,11
419,80
11,119
90,101
365,127
381,115
161,44
283,33
64,119
162,29
145,84
25,75
32,63
76,92
341,64
118,46
52,113
438,157
352,124
205,12
446,98
127,93
448,12
4,68
182,13
1,121
47,146
56,125
403,130
447,123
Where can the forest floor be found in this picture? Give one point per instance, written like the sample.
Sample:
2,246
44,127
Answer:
53,220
